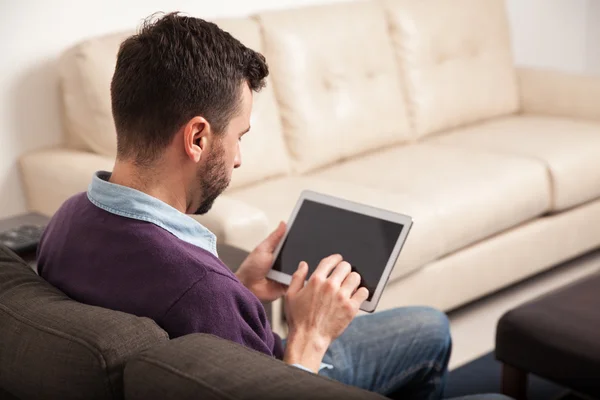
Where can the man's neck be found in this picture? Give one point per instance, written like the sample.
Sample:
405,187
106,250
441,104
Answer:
151,182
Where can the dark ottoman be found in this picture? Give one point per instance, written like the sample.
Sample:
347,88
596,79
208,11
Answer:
557,337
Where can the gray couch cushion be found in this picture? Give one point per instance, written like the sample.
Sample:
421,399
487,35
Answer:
52,347
205,367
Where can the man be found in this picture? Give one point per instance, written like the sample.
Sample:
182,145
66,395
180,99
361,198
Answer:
181,100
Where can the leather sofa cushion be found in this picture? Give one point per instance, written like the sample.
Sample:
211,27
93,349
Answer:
502,260
456,59
277,198
474,194
57,347
569,149
201,366
336,80
86,71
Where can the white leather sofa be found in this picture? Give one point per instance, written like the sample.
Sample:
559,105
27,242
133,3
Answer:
413,106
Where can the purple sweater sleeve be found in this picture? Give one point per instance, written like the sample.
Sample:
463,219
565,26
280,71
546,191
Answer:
220,305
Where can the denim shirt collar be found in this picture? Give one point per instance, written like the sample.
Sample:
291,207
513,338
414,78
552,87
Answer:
131,203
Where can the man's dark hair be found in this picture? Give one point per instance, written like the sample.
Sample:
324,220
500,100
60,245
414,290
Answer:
173,69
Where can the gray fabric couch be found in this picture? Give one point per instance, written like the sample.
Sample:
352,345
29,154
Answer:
52,347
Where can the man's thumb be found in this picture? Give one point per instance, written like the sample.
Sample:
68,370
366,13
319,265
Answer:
298,278
271,242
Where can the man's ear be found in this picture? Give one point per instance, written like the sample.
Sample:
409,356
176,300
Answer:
195,137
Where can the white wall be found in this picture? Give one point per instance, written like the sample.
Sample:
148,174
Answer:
593,37
548,33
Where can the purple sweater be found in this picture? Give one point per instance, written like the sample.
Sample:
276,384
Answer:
124,264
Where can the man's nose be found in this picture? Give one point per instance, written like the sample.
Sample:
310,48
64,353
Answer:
237,162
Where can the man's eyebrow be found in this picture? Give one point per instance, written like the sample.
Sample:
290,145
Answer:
246,131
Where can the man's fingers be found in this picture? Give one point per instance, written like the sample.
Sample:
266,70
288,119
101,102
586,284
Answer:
361,295
340,273
327,265
298,278
350,284
271,242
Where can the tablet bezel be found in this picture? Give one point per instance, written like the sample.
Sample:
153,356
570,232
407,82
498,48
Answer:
405,220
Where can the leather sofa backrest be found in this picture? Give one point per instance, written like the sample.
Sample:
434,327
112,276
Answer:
456,59
345,79
336,80
85,72
53,347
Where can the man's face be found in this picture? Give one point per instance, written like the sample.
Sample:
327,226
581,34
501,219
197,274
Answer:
214,174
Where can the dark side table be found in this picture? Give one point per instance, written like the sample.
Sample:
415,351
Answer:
25,219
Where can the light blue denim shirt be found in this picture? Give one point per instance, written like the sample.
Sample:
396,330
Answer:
131,203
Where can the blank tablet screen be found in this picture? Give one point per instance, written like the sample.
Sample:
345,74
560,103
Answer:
321,230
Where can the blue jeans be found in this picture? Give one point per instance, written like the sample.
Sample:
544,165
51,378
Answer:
401,353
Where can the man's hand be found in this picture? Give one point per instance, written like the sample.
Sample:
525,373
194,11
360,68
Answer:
253,271
320,311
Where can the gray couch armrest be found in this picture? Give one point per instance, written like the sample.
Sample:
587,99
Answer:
202,366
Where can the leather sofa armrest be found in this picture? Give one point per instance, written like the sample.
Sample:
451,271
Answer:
559,94
236,223
51,176
203,366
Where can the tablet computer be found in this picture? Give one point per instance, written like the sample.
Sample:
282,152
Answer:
368,238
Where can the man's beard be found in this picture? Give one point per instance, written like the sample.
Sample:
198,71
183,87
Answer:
213,181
